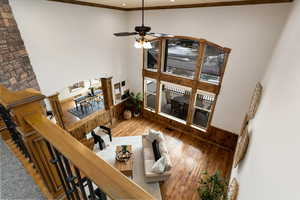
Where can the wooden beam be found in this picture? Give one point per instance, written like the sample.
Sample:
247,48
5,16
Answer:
213,4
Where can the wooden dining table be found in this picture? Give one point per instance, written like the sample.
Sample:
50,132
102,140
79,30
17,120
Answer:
83,98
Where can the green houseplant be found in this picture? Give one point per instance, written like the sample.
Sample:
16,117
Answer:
134,103
212,187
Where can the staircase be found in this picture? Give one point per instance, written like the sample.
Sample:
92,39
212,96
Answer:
58,163
25,183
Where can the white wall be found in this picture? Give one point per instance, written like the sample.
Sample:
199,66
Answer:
68,43
271,167
251,32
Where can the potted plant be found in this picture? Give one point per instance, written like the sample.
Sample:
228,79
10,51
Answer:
134,103
212,187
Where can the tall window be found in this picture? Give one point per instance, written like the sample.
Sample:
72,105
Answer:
151,56
203,108
212,65
181,57
177,66
150,93
174,101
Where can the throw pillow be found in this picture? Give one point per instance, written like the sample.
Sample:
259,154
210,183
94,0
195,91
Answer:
163,148
168,164
150,138
159,166
156,152
155,135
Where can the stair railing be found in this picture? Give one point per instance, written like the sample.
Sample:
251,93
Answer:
68,168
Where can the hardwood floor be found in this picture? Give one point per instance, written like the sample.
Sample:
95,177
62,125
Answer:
189,157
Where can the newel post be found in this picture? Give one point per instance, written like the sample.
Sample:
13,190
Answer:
57,109
21,104
107,92
106,84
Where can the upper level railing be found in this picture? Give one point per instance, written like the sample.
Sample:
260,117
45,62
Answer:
67,166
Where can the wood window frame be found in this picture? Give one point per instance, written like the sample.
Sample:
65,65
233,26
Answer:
158,107
195,83
196,107
145,92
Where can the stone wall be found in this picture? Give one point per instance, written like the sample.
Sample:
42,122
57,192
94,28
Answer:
16,72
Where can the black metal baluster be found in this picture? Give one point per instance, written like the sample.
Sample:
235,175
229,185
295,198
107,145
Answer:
15,135
69,190
55,161
70,177
91,189
80,183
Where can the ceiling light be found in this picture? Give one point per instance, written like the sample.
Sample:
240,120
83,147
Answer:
123,4
142,43
172,0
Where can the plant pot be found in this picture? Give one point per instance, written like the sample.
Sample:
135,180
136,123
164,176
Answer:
127,114
136,114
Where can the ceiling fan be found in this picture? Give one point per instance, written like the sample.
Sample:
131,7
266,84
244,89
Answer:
142,31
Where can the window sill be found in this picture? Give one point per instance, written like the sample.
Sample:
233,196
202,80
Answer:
150,109
151,70
200,108
173,118
199,128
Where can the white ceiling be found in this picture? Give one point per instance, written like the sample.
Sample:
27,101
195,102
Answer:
150,3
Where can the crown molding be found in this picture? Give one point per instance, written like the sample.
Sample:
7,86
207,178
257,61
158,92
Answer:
216,4
89,4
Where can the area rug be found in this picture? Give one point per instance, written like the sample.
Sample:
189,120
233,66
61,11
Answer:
91,109
138,166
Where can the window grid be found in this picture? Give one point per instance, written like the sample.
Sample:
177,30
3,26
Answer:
208,88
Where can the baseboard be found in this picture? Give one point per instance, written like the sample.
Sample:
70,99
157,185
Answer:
216,136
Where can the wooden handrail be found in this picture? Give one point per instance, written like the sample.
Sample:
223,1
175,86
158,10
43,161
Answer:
12,99
110,180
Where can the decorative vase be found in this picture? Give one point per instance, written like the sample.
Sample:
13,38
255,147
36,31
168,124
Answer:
127,114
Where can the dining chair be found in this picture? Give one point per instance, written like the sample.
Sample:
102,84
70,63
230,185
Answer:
98,139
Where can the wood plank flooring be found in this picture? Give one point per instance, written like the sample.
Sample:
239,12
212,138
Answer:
189,157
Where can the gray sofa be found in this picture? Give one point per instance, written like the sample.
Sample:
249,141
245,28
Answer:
148,157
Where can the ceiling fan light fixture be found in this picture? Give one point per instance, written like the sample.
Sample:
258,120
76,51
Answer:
138,45
147,45
142,43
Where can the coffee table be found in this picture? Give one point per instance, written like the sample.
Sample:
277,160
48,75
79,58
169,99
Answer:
125,167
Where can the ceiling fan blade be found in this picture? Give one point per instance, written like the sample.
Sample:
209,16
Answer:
125,34
160,35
